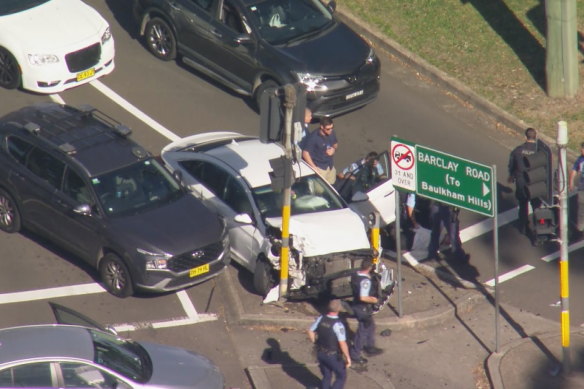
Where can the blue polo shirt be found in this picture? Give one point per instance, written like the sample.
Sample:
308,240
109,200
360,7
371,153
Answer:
316,145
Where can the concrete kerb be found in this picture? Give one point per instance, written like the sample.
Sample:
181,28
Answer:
495,360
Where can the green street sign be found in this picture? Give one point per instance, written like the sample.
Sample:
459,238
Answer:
455,181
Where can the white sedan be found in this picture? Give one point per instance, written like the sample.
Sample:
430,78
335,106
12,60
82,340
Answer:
47,46
230,172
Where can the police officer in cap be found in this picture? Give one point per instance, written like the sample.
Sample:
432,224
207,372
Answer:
364,298
516,174
329,335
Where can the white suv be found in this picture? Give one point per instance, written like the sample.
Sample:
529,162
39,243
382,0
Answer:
231,173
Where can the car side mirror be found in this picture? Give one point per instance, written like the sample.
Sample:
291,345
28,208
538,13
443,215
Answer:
243,218
359,196
332,6
83,209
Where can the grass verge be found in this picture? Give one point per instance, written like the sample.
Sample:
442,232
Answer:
495,47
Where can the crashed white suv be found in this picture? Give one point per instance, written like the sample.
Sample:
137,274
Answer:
231,173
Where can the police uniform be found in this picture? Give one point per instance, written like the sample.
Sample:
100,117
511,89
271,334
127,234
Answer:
516,171
329,332
362,286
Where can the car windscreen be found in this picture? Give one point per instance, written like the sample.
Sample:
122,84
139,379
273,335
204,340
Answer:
284,21
136,188
8,7
309,194
126,357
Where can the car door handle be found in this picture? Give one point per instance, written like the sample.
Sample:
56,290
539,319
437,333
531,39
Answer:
217,33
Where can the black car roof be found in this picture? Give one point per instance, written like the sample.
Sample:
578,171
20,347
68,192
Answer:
85,134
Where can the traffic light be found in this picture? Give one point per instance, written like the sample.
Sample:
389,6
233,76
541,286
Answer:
272,108
282,174
544,222
538,173
271,117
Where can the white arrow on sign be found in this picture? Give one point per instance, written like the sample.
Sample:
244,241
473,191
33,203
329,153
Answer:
486,189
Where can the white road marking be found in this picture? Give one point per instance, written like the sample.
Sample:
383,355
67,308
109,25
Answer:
182,321
134,110
187,305
556,255
44,294
512,274
486,225
57,99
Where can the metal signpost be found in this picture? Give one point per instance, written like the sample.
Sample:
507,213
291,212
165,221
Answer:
448,179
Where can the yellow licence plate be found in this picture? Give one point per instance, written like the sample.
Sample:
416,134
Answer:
85,74
197,271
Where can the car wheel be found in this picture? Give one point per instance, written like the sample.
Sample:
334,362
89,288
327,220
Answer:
115,275
263,277
9,70
160,39
9,214
260,90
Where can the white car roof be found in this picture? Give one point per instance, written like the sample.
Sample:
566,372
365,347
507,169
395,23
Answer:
247,155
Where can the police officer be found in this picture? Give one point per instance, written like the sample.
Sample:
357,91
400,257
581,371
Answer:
329,335
516,174
445,216
364,298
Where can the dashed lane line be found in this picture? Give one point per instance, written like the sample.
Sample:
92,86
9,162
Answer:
512,274
45,294
555,255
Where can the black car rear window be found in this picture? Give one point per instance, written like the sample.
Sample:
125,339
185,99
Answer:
8,7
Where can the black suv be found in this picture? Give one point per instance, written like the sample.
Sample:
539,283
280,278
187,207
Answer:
252,45
74,176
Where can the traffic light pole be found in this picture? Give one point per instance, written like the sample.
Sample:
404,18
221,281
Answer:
289,103
562,143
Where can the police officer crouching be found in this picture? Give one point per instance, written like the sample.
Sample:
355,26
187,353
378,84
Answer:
329,335
364,292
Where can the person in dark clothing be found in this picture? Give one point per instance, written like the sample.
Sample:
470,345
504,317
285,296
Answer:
318,149
516,174
445,216
577,174
329,335
364,298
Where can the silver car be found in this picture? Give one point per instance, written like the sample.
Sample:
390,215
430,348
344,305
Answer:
75,356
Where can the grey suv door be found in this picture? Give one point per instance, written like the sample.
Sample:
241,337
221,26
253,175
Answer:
233,48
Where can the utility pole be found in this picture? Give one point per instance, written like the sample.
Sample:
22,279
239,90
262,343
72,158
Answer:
562,143
289,104
561,62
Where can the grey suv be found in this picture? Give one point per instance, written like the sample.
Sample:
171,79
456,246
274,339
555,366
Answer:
252,45
74,176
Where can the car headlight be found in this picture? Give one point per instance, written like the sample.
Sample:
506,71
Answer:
313,82
106,36
154,261
42,59
371,57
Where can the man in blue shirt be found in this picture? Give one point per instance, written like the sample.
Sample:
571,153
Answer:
329,335
578,170
318,149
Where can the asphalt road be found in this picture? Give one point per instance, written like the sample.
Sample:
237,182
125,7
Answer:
162,100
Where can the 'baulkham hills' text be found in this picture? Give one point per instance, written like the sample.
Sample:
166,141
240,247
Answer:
452,187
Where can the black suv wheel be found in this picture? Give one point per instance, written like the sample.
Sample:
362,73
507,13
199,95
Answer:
160,39
115,276
9,214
